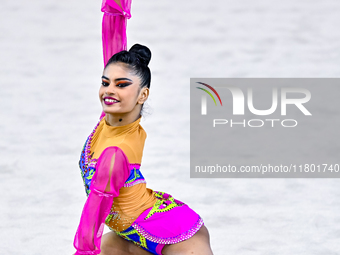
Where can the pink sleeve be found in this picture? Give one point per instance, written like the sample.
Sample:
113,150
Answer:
112,171
116,12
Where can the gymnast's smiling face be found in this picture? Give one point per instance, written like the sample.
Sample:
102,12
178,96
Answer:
120,93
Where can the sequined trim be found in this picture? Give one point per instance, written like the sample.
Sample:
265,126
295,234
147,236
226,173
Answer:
88,170
134,183
171,240
164,203
112,216
88,167
135,177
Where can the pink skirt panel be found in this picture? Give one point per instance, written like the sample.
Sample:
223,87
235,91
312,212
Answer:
169,221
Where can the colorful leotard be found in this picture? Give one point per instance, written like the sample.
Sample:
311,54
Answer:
148,218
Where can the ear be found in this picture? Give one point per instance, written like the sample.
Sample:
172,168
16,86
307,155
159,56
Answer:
143,95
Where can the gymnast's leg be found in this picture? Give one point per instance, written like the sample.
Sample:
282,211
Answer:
198,244
112,244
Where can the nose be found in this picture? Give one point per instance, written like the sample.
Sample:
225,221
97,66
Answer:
110,90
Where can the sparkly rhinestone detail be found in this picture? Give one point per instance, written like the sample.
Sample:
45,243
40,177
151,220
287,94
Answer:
135,232
130,231
112,216
134,183
164,203
135,177
88,164
171,240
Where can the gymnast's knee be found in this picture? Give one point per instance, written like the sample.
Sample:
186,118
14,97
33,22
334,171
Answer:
111,244
108,240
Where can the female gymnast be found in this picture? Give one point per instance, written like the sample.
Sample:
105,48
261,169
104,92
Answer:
142,221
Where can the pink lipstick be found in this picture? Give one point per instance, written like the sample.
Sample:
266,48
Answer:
110,100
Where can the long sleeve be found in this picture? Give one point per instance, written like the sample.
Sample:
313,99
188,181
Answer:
116,12
112,171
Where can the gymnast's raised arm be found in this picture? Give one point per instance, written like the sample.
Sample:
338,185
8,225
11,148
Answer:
116,13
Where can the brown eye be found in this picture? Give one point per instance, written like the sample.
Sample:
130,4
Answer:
105,84
121,85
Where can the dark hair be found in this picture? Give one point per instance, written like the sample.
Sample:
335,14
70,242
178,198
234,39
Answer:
137,58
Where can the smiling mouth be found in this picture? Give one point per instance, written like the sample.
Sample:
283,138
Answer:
110,100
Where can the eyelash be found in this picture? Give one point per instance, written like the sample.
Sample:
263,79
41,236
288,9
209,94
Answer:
121,85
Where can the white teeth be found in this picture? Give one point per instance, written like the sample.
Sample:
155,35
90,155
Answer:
110,100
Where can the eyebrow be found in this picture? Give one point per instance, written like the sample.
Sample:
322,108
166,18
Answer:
118,79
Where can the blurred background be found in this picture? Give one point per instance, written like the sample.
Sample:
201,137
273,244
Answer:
50,68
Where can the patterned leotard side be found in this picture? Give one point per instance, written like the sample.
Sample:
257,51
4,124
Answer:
165,221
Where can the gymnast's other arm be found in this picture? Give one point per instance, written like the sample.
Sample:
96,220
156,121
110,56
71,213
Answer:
111,173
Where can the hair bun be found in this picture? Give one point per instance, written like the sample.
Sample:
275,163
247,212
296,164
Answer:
143,53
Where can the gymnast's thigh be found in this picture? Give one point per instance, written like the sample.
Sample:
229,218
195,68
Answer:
112,244
198,244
